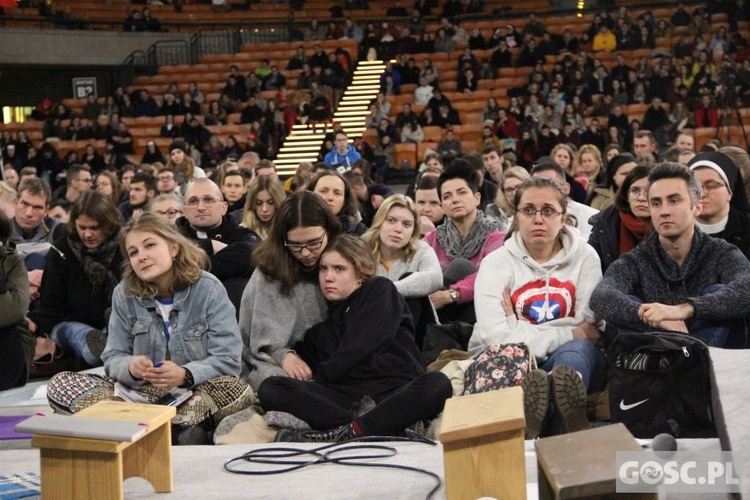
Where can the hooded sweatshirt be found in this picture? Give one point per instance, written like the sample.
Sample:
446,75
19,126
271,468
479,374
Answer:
549,299
334,158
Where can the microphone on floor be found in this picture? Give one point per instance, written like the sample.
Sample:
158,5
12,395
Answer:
664,445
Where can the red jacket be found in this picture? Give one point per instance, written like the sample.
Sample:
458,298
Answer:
709,113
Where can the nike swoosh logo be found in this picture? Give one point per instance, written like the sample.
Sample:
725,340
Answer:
625,407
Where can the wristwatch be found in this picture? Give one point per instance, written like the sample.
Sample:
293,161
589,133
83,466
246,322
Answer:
454,295
189,381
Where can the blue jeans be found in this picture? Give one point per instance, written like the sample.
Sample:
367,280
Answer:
585,358
71,337
724,333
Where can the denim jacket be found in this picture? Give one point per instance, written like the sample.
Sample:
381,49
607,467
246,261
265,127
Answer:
205,337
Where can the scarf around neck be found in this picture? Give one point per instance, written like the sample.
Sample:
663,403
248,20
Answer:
467,247
632,232
96,265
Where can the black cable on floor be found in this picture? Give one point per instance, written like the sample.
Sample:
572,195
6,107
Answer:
290,459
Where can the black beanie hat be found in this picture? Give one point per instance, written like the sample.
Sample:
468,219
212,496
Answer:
614,164
178,145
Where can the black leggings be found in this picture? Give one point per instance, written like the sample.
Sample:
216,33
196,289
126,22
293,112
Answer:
327,406
13,372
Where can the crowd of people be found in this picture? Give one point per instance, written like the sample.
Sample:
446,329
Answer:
313,296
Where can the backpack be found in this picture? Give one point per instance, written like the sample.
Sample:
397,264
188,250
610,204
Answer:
497,367
660,382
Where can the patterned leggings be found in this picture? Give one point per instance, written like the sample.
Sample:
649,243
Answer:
217,398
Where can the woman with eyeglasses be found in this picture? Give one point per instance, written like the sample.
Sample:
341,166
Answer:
502,209
170,206
282,299
107,183
535,289
619,228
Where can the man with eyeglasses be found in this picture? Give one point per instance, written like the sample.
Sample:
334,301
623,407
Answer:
718,176
680,279
166,183
227,244
578,214
78,180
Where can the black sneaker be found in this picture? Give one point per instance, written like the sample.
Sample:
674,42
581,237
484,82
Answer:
190,436
337,435
569,398
96,342
288,436
536,399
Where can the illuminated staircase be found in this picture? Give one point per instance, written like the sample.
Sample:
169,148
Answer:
304,142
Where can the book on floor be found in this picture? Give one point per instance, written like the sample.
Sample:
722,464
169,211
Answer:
175,397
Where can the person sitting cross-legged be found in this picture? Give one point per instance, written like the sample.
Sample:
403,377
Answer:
354,359
172,326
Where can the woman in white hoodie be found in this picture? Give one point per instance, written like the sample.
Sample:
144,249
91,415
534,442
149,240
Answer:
535,289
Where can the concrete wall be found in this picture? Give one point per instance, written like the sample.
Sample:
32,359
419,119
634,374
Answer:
74,47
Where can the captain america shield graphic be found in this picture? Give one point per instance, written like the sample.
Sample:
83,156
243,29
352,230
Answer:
540,301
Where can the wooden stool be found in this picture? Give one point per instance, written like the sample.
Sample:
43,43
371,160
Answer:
483,450
583,464
96,468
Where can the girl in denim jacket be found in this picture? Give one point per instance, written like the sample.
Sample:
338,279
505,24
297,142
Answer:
172,326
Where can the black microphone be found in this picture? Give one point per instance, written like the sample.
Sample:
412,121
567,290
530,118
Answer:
664,445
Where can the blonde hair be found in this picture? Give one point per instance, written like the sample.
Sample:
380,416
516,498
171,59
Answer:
372,236
267,183
571,154
186,266
593,151
501,201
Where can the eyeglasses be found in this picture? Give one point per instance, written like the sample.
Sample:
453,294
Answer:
636,193
208,202
169,213
530,212
712,186
311,246
510,190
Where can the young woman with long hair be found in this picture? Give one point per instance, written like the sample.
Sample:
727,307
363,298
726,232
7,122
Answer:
353,359
264,197
282,299
172,326
340,197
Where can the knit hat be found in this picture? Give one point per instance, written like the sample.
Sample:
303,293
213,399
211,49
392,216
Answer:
615,164
719,163
178,145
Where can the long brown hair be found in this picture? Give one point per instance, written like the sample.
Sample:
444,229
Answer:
99,207
272,186
115,182
186,267
302,209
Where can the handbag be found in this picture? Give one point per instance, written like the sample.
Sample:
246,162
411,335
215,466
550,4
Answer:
660,382
497,367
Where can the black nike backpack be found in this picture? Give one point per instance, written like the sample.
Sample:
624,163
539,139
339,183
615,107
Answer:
660,382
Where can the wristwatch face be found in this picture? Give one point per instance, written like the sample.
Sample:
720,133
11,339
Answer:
454,295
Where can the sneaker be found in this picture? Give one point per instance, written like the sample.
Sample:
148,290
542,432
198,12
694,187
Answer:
190,436
536,399
569,398
96,342
337,435
288,436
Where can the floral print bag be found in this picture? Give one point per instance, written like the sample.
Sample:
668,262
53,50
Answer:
497,367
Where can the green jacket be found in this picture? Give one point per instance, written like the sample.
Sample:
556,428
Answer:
14,304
